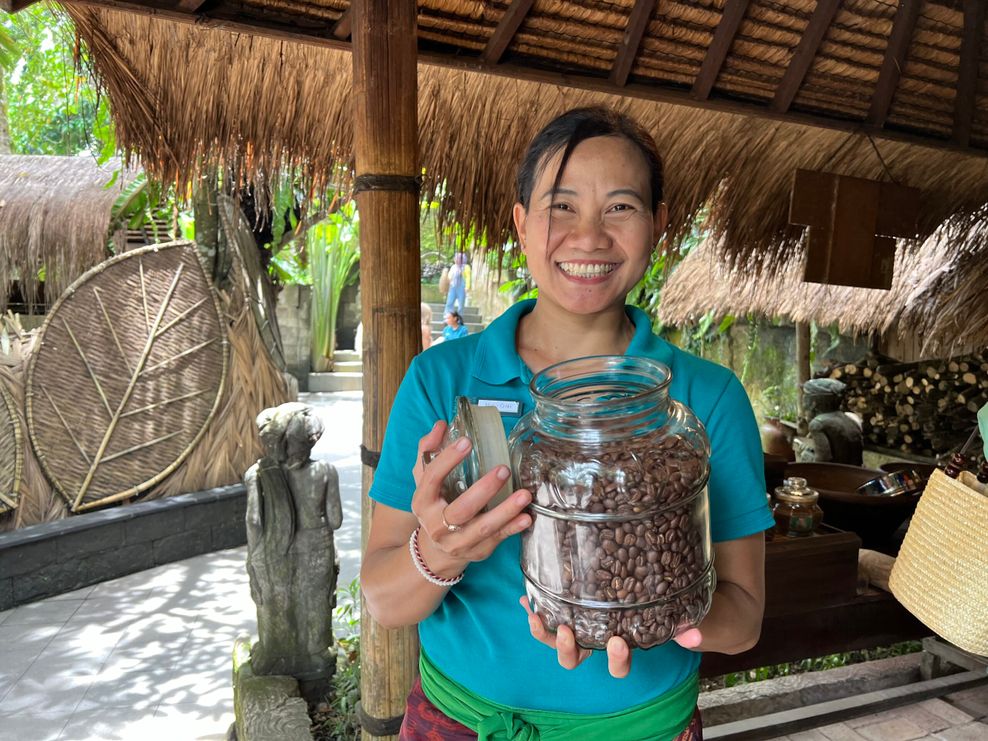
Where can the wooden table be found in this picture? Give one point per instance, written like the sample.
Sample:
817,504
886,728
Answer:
813,607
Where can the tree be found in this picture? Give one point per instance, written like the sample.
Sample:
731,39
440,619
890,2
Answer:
9,53
51,106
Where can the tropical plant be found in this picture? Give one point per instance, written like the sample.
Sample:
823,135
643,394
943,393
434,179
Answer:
53,106
333,249
340,721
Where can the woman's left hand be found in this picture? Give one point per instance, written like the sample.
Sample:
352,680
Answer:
570,655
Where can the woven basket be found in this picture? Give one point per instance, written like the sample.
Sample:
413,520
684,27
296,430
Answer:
941,572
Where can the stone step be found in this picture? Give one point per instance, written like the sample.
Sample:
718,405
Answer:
348,366
345,356
472,326
470,313
341,381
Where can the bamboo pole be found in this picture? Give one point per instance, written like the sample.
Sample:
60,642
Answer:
387,164
802,368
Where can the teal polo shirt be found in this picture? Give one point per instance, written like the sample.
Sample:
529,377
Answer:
479,635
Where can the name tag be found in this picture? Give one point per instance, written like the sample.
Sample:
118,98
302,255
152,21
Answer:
504,406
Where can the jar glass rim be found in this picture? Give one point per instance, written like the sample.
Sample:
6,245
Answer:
589,365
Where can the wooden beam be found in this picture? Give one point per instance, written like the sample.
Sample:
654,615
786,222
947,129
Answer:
344,27
641,14
189,6
506,29
967,78
320,36
386,162
895,58
727,29
13,6
805,53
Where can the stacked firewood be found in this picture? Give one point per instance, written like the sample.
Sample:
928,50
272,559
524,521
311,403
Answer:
927,407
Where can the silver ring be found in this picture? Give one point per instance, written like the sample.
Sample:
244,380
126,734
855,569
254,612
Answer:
451,528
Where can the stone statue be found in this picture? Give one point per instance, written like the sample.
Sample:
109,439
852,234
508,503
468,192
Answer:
834,436
293,506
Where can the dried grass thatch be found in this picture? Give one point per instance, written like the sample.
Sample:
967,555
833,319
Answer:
183,94
939,292
231,443
54,214
37,500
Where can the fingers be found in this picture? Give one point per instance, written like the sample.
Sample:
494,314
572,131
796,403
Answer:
690,638
618,657
568,653
504,520
428,443
563,641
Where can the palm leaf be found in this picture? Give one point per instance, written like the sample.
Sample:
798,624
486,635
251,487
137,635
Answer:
126,375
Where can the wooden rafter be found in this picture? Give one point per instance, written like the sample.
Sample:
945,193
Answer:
631,40
344,25
506,29
967,78
727,29
320,36
895,57
13,6
190,6
806,51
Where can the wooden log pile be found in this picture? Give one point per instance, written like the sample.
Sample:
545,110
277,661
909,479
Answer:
927,407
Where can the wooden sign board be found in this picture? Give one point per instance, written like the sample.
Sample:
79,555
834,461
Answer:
852,224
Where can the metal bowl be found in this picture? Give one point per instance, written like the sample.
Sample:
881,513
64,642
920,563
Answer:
894,484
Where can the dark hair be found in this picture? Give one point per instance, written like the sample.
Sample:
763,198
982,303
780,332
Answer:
569,129
457,317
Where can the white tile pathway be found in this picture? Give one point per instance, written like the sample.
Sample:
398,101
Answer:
147,657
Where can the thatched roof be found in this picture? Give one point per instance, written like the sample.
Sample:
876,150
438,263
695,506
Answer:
54,213
939,293
183,93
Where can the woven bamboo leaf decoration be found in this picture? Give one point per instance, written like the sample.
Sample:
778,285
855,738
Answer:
256,285
11,452
126,375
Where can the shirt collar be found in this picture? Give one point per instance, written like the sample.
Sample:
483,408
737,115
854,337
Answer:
497,355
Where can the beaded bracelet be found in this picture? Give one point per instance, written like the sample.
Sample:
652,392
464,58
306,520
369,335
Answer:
425,571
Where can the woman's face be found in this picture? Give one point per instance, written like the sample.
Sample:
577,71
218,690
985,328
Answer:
451,321
602,229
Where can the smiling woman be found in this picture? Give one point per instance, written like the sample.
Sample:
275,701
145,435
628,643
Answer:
588,216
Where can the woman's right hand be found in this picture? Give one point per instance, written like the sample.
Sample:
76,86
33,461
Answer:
454,534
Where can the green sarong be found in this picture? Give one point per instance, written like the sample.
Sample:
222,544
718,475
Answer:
661,719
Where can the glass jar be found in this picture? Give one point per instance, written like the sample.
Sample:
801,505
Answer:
620,538
482,424
796,511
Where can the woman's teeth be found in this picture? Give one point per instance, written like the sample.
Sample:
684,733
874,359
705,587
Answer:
586,270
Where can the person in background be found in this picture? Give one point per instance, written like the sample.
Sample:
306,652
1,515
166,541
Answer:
456,296
426,326
589,217
454,326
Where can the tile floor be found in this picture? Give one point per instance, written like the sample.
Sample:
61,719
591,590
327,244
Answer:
147,657
143,657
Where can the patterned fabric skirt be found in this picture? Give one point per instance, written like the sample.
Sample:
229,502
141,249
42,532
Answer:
425,722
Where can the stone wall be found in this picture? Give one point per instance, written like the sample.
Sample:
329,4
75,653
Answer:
294,309
45,560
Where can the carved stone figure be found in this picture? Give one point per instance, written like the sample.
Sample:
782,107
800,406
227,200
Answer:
293,506
834,436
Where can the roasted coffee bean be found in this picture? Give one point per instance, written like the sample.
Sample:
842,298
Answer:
646,576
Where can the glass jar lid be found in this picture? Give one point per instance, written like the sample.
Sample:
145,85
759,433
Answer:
796,491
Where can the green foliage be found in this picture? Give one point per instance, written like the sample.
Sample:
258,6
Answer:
340,723
141,202
521,286
53,108
822,663
334,249
10,52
